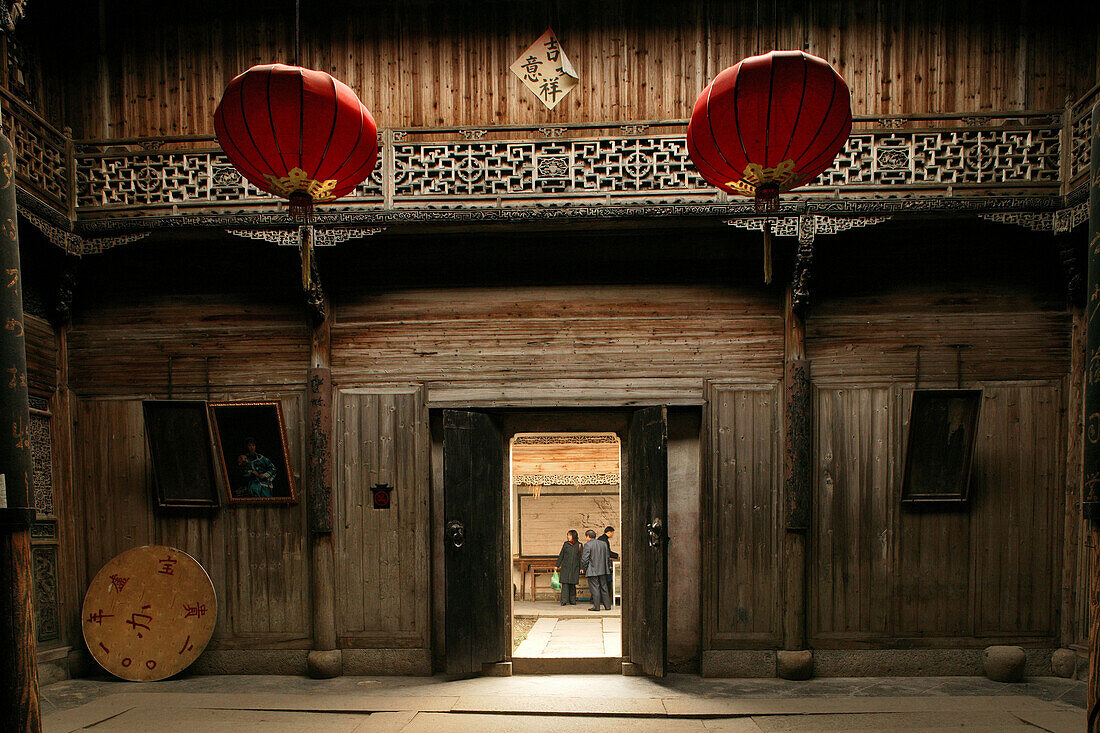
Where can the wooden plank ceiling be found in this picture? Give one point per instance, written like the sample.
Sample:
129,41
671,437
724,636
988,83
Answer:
565,459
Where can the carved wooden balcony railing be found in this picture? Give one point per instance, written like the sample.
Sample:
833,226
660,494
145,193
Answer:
988,161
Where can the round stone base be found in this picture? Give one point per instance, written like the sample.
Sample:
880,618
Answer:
1063,663
323,665
795,665
1004,663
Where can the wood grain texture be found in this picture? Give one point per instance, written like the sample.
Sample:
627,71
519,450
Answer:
886,575
611,343
741,518
645,541
478,597
381,555
122,347
19,703
149,613
40,340
255,555
573,459
446,63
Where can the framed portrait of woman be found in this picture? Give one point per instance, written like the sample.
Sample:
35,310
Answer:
250,438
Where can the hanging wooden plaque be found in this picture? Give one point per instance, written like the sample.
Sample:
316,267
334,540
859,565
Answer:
149,613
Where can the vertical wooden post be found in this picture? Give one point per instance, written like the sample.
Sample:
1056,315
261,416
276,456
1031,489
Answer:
325,660
1071,540
19,709
1091,494
797,473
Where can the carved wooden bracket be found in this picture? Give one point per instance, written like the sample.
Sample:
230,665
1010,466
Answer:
806,227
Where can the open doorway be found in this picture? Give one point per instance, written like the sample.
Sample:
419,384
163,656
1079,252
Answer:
561,482
479,563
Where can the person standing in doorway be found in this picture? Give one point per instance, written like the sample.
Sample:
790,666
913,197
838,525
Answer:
608,533
594,563
569,568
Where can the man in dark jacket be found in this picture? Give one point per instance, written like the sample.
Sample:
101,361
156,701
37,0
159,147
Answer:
594,564
608,533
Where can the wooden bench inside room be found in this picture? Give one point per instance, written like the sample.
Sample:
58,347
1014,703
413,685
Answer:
533,566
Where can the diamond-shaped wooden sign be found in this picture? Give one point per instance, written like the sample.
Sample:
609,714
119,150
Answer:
544,69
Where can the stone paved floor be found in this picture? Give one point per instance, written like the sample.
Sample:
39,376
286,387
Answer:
573,637
562,703
553,609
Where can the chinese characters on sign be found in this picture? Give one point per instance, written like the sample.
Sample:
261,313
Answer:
544,69
149,613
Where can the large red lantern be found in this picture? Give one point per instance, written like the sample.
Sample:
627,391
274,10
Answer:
768,124
296,133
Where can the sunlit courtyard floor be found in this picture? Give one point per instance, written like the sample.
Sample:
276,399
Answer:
561,703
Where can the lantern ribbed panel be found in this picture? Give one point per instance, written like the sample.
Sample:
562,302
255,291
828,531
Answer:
289,129
776,120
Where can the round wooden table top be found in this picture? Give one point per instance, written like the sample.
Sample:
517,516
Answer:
149,613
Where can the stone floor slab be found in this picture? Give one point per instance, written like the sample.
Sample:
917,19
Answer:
582,702
539,609
909,722
436,723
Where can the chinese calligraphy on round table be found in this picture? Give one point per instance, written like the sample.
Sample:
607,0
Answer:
149,613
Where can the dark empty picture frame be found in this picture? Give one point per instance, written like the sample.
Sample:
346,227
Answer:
943,427
178,432
251,444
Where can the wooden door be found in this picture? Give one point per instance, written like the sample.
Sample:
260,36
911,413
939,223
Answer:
645,541
382,555
475,538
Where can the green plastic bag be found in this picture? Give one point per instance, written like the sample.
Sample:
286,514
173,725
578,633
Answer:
555,581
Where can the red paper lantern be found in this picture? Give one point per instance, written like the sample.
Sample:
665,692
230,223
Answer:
296,133
768,124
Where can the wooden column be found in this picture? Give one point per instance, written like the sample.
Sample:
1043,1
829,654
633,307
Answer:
797,473
1071,540
324,660
19,709
1091,494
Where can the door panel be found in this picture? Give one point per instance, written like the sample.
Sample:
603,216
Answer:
645,543
382,555
478,602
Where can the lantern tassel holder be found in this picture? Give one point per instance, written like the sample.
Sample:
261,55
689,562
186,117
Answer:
766,198
301,207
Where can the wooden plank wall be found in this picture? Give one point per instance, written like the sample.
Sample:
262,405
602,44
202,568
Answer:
610,344
234,331
431,63
991,570
41,344
740,517
382,568
883,574
255,555
122,344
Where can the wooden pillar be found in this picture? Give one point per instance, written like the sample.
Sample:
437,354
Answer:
19,709
1071,540
797,473
1091,494
324,660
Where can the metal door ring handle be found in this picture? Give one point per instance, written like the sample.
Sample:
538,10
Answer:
656,532
456,533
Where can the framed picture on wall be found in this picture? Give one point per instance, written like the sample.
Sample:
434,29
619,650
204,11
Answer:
943,428
250,439
178,433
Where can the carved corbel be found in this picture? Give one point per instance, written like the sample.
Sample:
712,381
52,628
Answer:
62,311
803,265
311,277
